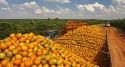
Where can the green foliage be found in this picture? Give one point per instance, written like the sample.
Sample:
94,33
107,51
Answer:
37,26
120,23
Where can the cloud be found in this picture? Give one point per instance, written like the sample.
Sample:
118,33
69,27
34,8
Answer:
33,10
30,4
3,2
5,8
96,10
58,1
38,11
90,7
89,11
80,7
60,11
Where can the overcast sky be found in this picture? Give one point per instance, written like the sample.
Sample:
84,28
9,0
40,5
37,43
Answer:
65,9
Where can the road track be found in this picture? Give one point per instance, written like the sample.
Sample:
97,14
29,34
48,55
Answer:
116,43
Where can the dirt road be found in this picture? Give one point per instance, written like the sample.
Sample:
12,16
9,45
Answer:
116,43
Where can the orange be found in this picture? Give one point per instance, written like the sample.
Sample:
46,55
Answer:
40,65
27,63
8,43
15,51
12,41
24,53
37,62
31,34
12,35
33,57
22,39
12,47
24,48
18,56
17,61
15,44
27,41
22,64
3,62
53,66
30,54
47,57
14,38
25,36
34,65
18,48
6,50
39,50
30,50
45,65
18,35
39,53
3,46
9,64
0,65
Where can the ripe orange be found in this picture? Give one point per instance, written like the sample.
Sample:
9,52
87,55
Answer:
34,65
27,41
17,61
30,50
12,35
27,63
25,36
22,65
12,47
14,38
24,48
9,64
54,66
30,54
16,44
40,65
6,50
18,56
8,43
46,65
47,57
37,62
33,57
24,53
3,62
22,39
15,51
0,65
18,48
39,53
3,46
18,35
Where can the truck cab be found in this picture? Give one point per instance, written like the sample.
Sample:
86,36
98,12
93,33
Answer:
51,34
107,24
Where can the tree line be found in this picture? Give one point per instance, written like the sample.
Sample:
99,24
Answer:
37,26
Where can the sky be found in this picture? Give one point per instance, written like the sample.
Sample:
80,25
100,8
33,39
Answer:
63,9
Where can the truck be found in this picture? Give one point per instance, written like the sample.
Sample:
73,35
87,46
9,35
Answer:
52,34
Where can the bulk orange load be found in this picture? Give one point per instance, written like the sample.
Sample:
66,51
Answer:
29,50
87,42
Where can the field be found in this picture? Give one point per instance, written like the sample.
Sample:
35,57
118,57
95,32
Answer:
37,26
22,43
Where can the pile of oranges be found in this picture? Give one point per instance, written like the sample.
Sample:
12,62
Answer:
85,41
29,50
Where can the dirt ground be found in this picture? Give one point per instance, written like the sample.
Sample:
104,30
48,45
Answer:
116,43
